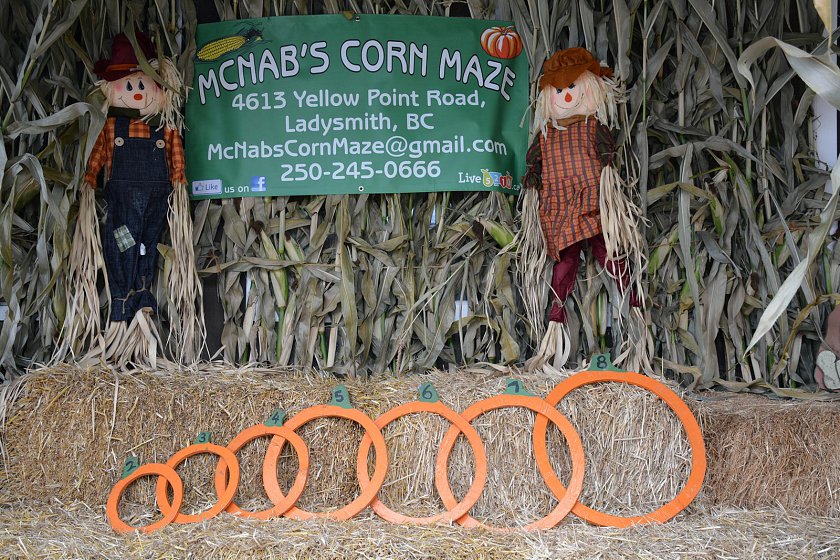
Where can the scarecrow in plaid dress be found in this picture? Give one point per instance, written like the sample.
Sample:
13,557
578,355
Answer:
139,156
569,170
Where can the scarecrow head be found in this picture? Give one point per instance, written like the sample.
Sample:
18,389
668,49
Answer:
575,84
125,85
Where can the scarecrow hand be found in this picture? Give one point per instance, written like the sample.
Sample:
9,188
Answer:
177,161
97,159
533,161
605,144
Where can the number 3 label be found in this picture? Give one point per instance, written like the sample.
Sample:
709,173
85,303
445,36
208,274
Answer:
203,437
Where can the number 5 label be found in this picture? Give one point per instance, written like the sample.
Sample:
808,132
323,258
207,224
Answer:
340,397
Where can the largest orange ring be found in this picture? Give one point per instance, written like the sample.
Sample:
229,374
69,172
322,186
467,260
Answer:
157,469
477,487
536,404
224,498
282,504
692,430
368,492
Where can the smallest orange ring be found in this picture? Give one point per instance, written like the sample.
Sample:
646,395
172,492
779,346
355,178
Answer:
479,480
150,469
281,503
224,499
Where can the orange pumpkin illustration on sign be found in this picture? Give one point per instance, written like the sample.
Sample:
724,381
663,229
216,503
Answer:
501,42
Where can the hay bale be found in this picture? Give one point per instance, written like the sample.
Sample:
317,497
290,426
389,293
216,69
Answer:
769,453
69,431
75,530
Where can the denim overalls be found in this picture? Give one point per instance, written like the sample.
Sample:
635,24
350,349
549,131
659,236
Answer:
137,193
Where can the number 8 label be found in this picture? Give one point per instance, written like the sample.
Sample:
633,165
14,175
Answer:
602,362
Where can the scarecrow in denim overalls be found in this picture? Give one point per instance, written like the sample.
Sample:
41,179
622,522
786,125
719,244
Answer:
140,156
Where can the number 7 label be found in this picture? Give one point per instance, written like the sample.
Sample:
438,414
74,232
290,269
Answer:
515,387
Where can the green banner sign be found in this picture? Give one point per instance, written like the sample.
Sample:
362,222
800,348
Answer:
375,104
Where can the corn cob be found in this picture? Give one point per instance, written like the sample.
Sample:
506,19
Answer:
280,284
499,232
218,48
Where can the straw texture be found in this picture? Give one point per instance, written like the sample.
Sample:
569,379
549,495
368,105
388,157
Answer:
75,530
726,169
67,432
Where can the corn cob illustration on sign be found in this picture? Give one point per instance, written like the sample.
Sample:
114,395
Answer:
362,104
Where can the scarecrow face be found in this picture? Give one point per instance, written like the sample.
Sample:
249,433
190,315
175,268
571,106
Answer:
574,99
136,91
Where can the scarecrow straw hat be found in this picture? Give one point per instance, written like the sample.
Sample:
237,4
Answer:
123,60
565,66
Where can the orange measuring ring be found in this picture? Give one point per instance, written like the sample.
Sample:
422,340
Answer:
368,492
283,504
542,409
692,430
477,487
150,469
224,498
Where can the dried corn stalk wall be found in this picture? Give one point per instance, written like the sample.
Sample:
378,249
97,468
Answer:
362,282
726,173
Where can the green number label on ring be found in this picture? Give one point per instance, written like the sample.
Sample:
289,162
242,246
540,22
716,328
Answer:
277,418
340,397
203,437
602,362
427,393
132,463
515,387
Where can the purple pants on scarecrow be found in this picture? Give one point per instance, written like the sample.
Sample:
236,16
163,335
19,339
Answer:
565,272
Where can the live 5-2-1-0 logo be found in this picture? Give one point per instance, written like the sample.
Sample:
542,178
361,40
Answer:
496,179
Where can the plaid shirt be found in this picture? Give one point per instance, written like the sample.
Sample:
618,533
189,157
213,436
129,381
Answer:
103,151
565,165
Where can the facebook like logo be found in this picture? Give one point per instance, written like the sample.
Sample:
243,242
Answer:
257,184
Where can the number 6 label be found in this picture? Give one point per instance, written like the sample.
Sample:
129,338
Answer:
427,393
